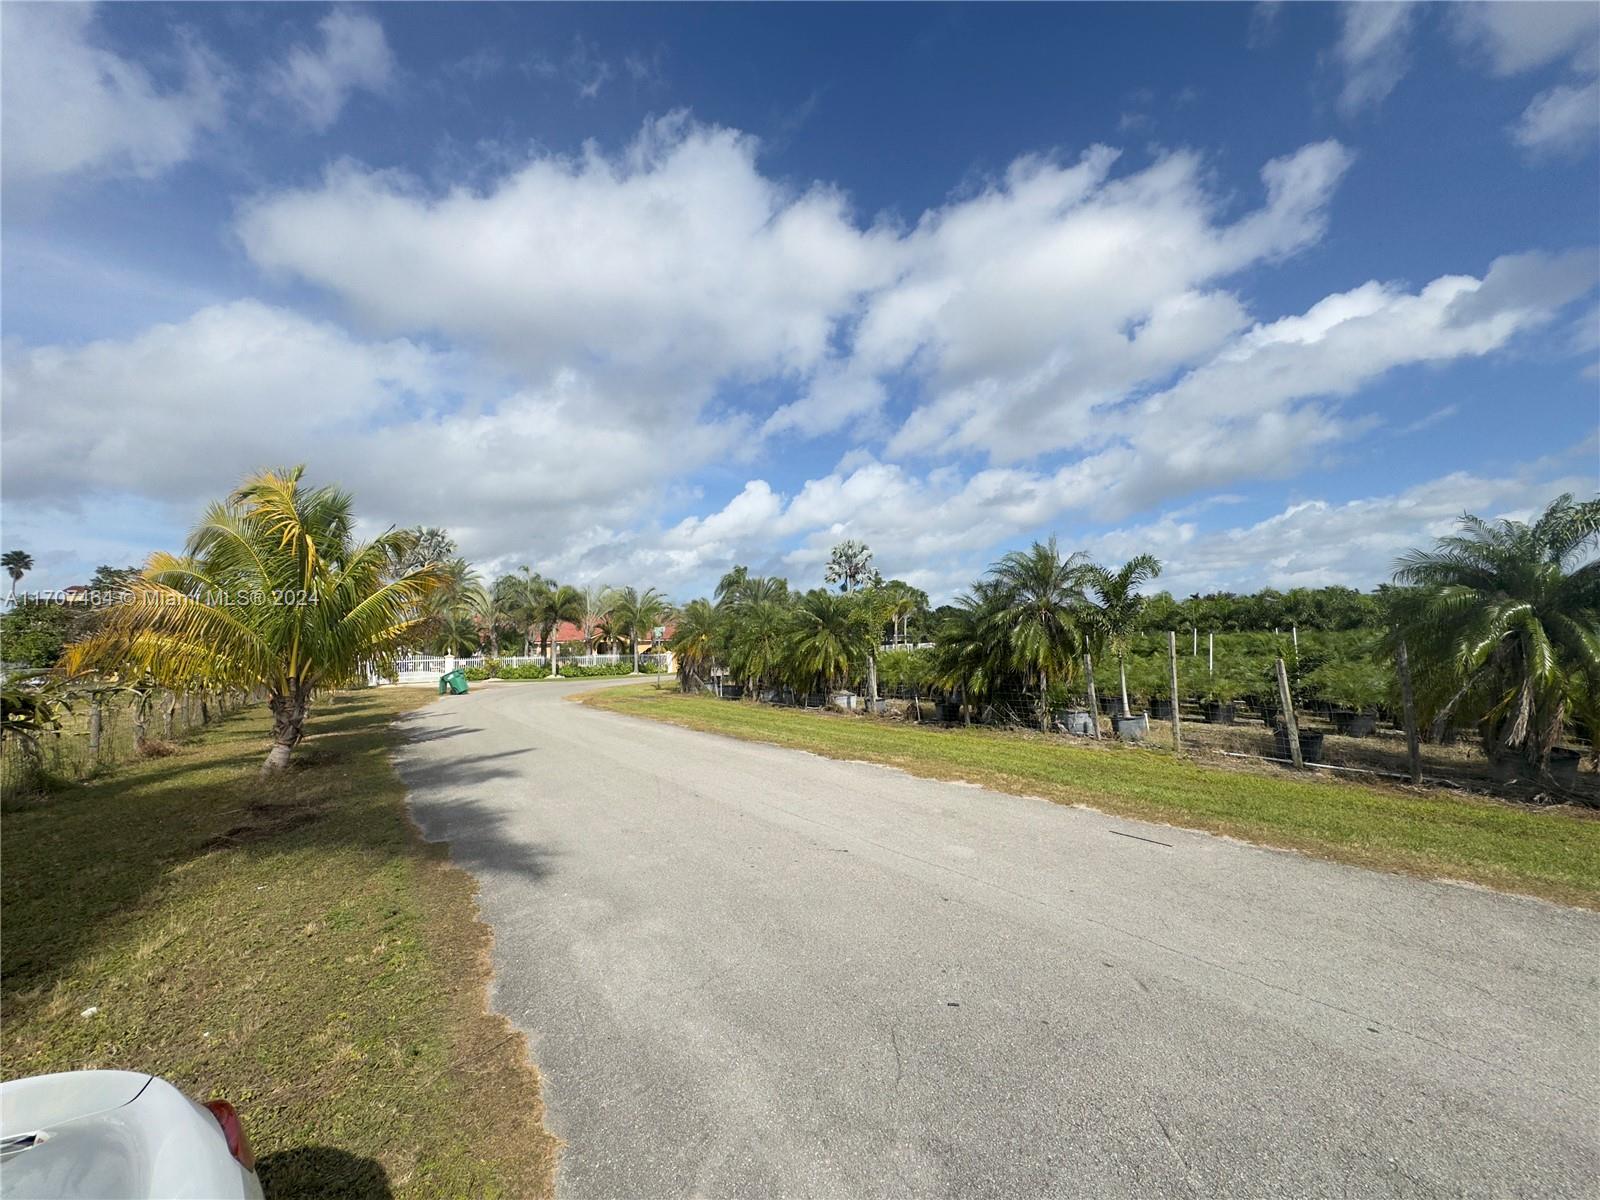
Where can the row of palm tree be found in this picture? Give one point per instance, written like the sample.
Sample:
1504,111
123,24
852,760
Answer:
1501,621
1023,627
1035,621
470,617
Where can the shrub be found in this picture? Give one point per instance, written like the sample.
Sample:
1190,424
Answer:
1352,683
477,674
598,671
525,671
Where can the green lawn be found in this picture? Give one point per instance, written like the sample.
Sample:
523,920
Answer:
291,945
1553,853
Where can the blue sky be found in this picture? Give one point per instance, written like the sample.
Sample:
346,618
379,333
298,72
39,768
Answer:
631,293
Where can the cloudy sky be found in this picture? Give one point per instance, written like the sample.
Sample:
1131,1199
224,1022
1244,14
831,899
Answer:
634,293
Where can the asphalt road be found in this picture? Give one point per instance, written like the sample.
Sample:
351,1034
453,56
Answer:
747,971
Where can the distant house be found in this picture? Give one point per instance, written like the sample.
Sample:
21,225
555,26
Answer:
569,635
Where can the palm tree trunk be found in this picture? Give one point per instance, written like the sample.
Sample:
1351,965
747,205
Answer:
635,640
1122,670
872,681
288,725
1044,704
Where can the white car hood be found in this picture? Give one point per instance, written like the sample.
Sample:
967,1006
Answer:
27,1105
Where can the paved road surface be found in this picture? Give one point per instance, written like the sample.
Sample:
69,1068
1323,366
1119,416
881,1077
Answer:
746,971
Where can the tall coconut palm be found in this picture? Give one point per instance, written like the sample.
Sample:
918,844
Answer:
1040,614
1503,621
1117,604
556,603
828,639
694,642
633,612
17,564
274,592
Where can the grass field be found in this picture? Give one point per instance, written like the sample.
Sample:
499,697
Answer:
291,945
1554,853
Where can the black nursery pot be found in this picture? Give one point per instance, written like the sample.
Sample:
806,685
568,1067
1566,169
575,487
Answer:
1354,724
1218,713
1564,766
1161,709
1310,744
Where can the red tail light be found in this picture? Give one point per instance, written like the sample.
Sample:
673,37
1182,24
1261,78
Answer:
233,1129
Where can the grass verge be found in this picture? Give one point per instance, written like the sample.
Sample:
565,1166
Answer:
1553,853
290,944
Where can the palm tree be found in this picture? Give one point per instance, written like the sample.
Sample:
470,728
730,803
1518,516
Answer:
517,595
738,587
731,585
634,611
828,638
457,630
877,605
905,602
272,592
455,603
597,601
554,604
694,642
1503,618
17,564
967,659
1115,614
757,642
1040,614
498,608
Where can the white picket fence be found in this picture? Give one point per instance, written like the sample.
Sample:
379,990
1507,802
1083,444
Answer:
428,668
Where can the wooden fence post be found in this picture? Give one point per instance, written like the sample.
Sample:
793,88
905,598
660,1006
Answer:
1409,701
1172,665
1094,704
1290,725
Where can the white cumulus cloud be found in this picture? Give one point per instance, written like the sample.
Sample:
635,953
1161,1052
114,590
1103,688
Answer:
316,81
69,105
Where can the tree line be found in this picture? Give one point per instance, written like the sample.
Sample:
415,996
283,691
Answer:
1501,619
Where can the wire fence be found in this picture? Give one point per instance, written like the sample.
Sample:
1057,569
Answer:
97,734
